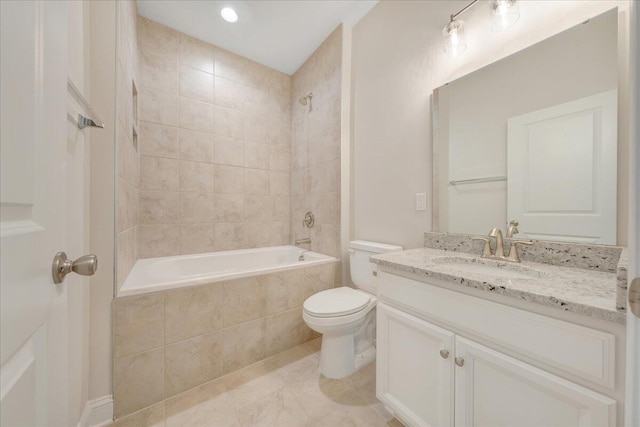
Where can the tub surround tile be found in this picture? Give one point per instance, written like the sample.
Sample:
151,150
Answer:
196,54
138,381
243,345
196,176
228,179
157,240
158,106
256,181
196,115
192,362
286,330
196,84
197,238
228,151
256,155
159,71
190,312
138,323
157,173
228,122
228,208
196,207
230,66
587,292
127,254
158,207
236,307
229,94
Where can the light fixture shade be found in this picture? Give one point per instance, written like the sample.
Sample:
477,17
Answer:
504,13
454,39
229,15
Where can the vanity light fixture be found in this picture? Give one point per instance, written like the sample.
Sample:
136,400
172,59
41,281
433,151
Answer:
504,13
229,15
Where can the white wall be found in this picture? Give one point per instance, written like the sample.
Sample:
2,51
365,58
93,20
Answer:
397,62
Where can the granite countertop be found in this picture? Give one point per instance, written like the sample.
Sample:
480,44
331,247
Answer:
587,292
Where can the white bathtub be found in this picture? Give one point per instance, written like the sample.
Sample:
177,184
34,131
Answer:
157,274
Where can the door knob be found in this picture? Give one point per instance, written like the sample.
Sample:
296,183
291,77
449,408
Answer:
444,353
85,266
459,361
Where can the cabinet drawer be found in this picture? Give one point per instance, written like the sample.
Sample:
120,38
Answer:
581,351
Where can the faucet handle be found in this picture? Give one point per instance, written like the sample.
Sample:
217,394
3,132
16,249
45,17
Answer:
513,249
486,251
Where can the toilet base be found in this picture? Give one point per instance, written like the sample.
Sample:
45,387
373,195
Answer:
337,356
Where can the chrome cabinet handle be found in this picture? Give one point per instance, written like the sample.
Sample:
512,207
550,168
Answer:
444,354
459,361
85,266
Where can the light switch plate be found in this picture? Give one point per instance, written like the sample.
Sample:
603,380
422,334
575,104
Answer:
421,201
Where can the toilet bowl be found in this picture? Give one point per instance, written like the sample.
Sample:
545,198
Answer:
346,316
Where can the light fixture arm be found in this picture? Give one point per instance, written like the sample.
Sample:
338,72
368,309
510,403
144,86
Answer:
464,9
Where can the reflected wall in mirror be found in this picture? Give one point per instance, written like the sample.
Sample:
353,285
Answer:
532,139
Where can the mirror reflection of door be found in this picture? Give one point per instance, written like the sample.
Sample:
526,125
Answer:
561,171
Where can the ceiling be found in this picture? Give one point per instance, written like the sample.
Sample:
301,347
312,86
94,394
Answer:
279,34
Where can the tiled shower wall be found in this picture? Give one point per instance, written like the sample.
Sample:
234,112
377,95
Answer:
127,155
215,131
315,175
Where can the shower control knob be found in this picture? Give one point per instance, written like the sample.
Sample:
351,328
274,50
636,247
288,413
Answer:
444,354
85,266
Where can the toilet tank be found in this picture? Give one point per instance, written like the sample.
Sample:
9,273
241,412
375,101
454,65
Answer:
361,268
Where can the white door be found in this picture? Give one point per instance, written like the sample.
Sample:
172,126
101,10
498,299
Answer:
42,355
414,368
561,171
492,390
632,407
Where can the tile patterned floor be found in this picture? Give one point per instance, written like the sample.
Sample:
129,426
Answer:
285,390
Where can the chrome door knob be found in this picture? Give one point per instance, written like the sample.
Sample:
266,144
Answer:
459,361
444,353
85,266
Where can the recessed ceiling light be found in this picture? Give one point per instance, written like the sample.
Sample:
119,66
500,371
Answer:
229,14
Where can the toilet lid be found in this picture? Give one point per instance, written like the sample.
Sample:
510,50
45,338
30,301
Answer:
336,302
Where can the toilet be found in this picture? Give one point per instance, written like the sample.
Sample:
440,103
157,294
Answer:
345,316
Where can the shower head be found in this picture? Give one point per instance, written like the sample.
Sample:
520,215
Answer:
307,100
303,100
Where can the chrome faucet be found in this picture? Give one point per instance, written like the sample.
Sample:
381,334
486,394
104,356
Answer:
499,253
301,256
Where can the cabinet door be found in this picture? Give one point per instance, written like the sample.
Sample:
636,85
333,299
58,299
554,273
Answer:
492,389
413,378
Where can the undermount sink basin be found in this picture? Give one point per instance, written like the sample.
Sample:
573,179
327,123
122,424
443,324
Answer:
501,269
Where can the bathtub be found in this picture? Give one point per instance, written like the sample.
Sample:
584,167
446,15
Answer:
158,274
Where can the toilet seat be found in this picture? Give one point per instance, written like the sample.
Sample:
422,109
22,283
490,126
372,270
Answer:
336,302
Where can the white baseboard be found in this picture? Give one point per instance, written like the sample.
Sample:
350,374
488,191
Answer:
97,412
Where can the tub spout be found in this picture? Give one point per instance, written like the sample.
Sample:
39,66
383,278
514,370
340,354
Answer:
306,240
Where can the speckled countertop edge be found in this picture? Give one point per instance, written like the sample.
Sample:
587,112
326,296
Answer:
590,293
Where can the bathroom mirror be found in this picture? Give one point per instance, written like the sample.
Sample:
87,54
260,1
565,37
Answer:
532,140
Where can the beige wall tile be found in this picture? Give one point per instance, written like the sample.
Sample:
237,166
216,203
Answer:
228,179
196,54
196,176
279,135
192,362
197,146
158,207
159,71
156,38
256,101
228,122
194,311
127,205
229,236
157,240
228,93
127,157
229,65
324,147
257,234
243,345
228,208
158,106
325,178
243,300
257,208
256,155
326,207
207,405
256,181
138,323
279,160
196,84
152,416
158,173
196,207
280,207
158,140
196,115
228,151
256,128
280,183
197,238
138,381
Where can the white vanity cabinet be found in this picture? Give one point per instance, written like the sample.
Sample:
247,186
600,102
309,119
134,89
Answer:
436,375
